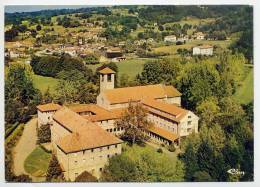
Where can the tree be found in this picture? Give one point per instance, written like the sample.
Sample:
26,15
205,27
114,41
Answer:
134,121
202,176
44,134
11,34
38,27
86,177
210,162
139,164
161,28
47,96
124,80
249,110
245,44
207,110
189,158
54,172
155,72
87,93
21,98
66,91
22,178
232,153
120,169
231,73
197,82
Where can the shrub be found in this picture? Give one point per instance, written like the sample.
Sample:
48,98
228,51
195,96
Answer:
86,177
54,172
160,150
171,148
44,134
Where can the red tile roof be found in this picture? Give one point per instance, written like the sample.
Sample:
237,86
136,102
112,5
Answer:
84,134
106,70
98,113
137,93
177,112
163,133
48,107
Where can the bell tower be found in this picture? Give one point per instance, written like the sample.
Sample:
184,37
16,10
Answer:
107,79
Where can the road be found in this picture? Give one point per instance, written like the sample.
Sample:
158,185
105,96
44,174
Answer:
24,147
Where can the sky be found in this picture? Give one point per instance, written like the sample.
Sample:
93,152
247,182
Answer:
31,8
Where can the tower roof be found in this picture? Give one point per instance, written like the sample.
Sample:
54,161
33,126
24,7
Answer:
106,70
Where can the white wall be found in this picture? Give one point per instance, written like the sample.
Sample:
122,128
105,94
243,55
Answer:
45,117
189,124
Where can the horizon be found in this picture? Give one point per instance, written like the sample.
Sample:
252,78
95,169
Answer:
36,8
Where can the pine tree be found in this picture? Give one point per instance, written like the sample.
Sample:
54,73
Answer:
54,171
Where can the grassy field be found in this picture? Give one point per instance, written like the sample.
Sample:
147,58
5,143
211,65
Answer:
37,162
245,93
131,67
172,49
42,83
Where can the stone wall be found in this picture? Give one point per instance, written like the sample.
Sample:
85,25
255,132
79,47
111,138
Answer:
91,160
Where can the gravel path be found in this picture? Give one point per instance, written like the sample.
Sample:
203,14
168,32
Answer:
25,146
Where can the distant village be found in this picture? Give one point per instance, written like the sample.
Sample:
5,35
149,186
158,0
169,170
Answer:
98,45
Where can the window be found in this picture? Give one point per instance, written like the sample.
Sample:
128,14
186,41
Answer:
108,147
118,129
116,146
100,149
92,150
102,77
189,122
49,118
114,129
109,78
116,154
110,130
108,156
189,116
75,161
100,169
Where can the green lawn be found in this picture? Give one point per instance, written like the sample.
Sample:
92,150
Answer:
42,83
135,150
37,162
245,93
131,67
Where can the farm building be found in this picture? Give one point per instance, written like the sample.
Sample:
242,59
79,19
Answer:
114,52
203,50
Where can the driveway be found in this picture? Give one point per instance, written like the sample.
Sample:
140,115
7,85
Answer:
24,147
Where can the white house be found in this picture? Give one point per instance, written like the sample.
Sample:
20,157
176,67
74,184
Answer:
171,38
203,50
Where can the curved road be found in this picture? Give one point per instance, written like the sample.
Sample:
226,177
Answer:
24,147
